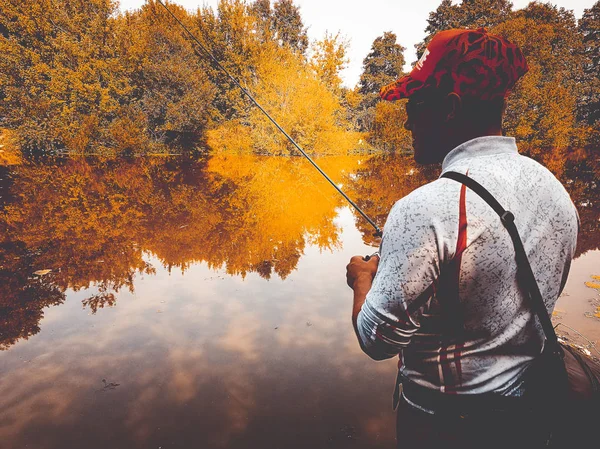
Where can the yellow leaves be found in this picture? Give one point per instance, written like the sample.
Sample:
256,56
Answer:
247,212
10,153
353,98
329,58
595,285
281,200
127,131
78,137
382,180
298,100
231,136
388,130
541,111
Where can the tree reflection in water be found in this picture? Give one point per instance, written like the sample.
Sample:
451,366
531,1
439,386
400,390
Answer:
95,223
384,179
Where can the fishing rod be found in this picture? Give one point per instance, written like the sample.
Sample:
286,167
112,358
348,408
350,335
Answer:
378,232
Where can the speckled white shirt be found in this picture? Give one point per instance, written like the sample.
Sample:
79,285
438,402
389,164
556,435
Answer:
445,296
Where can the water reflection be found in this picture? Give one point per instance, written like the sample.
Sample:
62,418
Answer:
383,179
582,180
219,367
231,327
91,224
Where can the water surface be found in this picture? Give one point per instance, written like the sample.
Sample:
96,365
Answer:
202,303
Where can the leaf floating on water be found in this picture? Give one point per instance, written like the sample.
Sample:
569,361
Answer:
44,272
595,285
109,386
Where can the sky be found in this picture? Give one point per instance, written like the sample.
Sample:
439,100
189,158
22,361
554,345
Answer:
360,22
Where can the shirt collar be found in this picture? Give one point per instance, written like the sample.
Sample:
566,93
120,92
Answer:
480,146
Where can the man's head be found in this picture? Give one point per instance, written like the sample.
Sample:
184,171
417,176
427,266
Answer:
457,89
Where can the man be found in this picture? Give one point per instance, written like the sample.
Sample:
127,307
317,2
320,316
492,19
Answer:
445,295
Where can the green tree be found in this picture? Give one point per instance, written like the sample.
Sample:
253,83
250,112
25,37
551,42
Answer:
288,25
468,14
383,65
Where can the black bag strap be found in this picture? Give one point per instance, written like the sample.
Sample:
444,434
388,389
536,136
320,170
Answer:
524,271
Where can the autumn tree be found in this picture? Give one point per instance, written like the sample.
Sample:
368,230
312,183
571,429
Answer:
381,181
383,64
61,81
235,34
292,93
172,94
541,110
387,131
10,153
580,177
328,59
262,10
94,223
23,298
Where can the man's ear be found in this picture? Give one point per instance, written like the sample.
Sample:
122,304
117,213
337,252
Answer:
453,106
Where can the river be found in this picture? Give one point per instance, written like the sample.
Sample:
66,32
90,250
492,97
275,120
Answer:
182,302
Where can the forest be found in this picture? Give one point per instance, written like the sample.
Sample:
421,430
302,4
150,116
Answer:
80,77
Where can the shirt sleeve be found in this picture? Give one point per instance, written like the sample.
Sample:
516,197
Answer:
404,282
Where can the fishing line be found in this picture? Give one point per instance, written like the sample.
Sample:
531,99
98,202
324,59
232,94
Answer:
292,141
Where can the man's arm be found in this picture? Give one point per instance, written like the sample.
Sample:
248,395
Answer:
390,292
359,276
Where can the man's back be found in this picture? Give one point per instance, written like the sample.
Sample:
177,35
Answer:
447,281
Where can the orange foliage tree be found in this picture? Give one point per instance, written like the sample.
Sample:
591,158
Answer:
95,224
79,76
60,76
543,110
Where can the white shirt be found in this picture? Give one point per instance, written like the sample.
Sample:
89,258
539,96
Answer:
445,296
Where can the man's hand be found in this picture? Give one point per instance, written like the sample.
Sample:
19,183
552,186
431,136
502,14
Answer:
361,268
359,276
